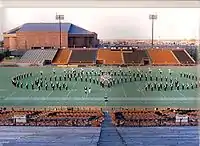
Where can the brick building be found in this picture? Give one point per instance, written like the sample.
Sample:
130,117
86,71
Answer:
47,35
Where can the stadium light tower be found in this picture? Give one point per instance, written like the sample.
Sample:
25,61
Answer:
152,17
59,18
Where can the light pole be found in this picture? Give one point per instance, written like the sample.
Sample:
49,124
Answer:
152,17
60,17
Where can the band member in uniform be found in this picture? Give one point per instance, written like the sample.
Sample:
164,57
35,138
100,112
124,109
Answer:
85,88
89,90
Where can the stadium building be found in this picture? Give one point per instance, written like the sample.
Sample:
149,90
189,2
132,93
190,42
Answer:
47,35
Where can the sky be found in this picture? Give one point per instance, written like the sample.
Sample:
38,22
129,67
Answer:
115,23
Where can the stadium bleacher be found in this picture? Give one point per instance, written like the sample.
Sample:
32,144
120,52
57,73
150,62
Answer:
110,57
163,57
83,56
38,56
149,118
87,117
183,57
62,57
135,57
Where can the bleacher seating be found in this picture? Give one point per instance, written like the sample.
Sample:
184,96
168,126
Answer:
62,57
38,56
163,57
135,57
83,56
183,57
84,117
145,118
110,57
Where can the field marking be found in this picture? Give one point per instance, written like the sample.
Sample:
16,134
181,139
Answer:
86,96
49,93
72,89
180,93
162,94
11,94
198,94
29,95
124,90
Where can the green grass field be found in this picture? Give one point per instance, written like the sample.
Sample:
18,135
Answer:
123,94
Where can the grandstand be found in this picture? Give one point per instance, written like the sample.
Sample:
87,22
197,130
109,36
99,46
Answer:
83,56
163,57
184,57
62,57
92,56
38,56
106,56
86,56
137,57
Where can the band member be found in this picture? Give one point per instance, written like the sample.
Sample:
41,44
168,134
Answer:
89,90
53,86
182,86
46,86
178,87
26,85
60,78
32,86
60,87
85,88
39,87
21,85
151,78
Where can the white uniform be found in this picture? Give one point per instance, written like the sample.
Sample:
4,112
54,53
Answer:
89,90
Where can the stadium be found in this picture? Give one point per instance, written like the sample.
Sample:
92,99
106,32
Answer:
64,79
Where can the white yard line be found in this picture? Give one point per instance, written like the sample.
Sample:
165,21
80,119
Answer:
50,93
124,91
198,94
71,89
180,93
162,94
68,94
141,91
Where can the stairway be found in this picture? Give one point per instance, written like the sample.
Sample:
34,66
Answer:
109,136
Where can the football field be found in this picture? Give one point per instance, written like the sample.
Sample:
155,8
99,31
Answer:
123,94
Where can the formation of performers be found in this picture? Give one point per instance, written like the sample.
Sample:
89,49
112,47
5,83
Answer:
59,82
174,84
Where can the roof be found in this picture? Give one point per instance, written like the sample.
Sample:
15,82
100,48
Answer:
50,27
